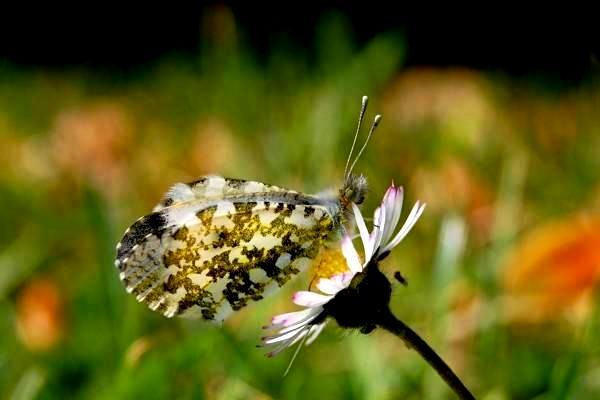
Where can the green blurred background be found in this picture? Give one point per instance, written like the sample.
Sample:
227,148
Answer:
502,267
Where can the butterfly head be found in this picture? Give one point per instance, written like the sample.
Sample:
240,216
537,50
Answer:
354,190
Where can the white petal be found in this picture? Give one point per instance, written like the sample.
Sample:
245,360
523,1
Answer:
310,299
346,278
362,227
288,343
290,318
393,205
376,235
369,244
351,255
387,203
300,336
315,312
343,279
414,215
329,286
281,337
314,332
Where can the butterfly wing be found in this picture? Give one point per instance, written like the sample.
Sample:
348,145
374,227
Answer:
209,256
212,187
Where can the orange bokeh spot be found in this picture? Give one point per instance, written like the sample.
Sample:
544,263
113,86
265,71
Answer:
40,315
554,270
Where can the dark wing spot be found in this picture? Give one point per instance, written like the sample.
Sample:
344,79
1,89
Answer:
170,285
150,224
235,183
252,253
208,314
308,211
200,181
167,202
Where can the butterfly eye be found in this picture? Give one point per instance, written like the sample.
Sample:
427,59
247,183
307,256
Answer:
359,196
355,189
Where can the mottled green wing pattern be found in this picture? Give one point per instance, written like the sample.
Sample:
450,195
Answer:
205,258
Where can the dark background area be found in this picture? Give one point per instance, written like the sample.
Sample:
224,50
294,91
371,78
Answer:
560,45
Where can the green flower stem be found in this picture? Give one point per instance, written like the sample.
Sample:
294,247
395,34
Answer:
389,322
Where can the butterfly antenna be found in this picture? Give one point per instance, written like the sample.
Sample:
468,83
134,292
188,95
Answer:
363,109
373,126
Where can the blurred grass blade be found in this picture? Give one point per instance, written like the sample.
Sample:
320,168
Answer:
30,384
18,261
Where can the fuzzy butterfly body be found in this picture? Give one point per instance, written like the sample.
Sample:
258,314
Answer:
215,245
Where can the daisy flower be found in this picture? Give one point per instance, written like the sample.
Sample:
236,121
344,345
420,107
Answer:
305,325
359,298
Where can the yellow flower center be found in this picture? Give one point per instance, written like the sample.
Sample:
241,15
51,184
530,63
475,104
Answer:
329,262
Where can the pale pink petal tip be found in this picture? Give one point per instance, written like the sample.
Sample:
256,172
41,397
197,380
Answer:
309,299
388,198
390,193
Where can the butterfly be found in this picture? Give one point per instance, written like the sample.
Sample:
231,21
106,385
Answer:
213,246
